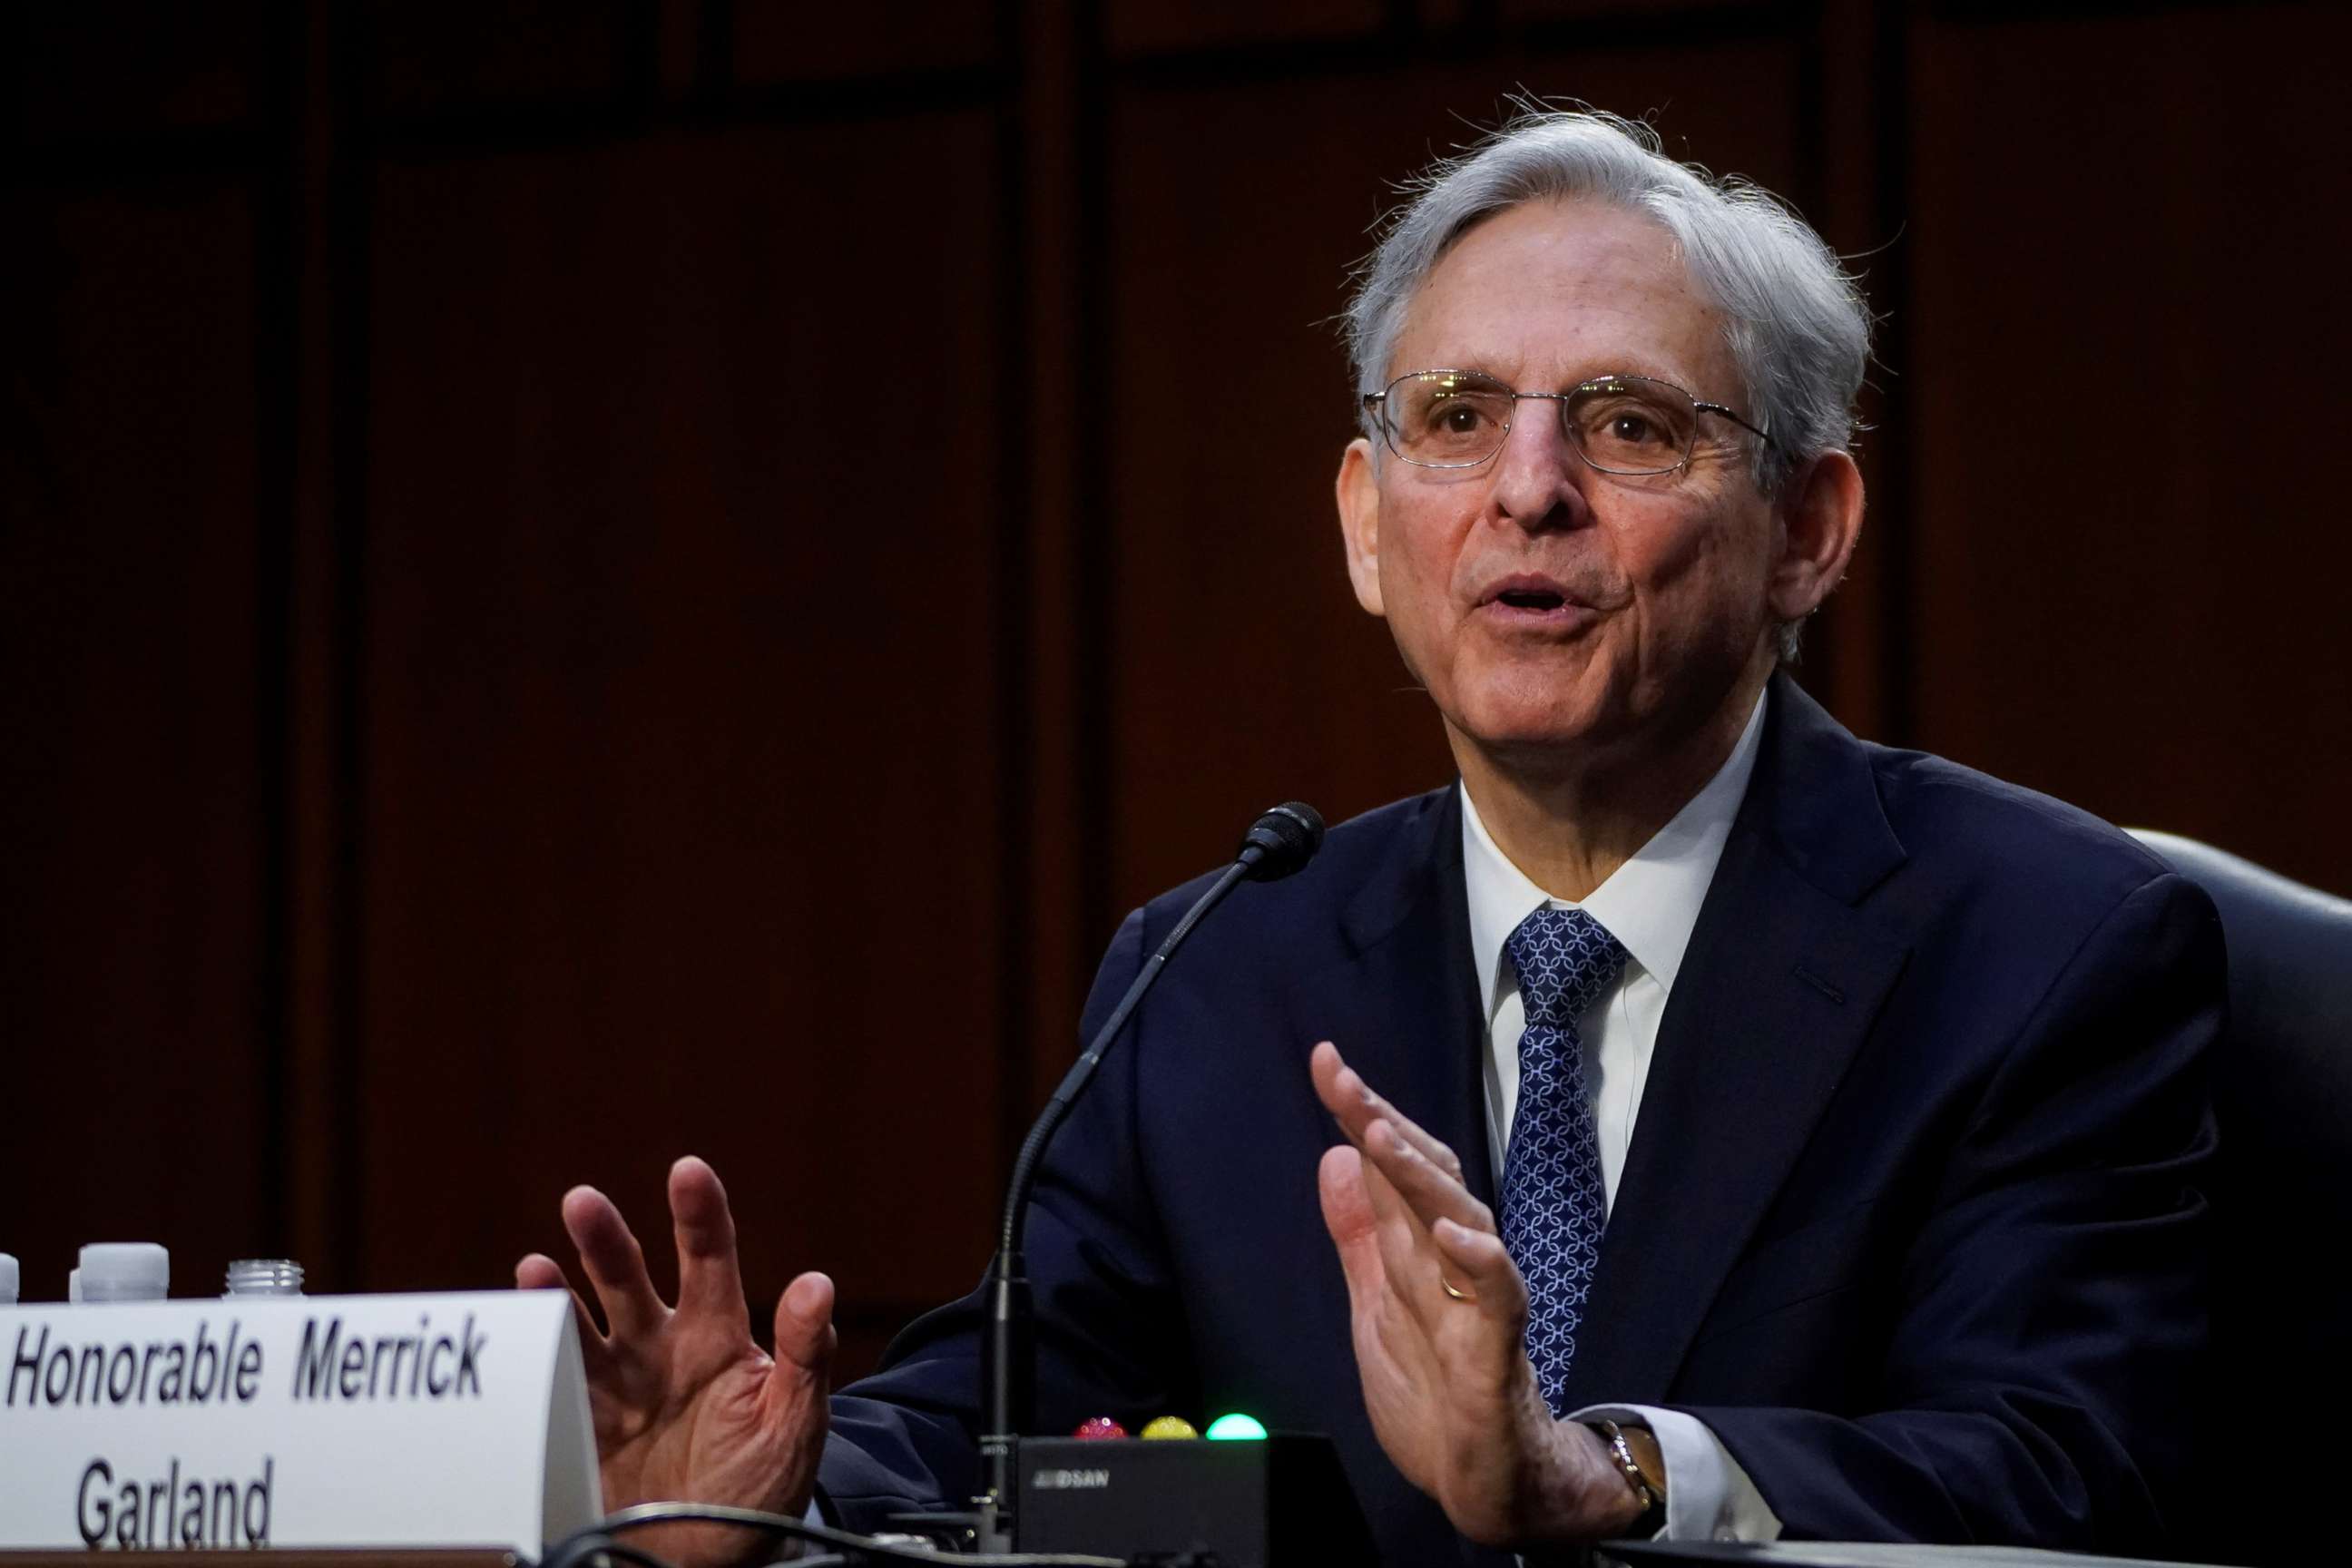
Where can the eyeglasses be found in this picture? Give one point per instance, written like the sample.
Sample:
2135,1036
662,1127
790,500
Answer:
1617,424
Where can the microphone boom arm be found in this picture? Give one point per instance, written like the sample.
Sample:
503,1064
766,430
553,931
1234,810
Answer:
1073,1082
1279,843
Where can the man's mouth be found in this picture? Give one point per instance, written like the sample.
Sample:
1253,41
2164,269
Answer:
1534,601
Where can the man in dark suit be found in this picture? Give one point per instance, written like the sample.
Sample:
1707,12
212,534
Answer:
1742,1130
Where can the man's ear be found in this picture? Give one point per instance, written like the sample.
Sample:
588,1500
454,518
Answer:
1821,520
1358,488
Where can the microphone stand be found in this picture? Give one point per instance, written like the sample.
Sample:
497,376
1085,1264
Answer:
1008,1345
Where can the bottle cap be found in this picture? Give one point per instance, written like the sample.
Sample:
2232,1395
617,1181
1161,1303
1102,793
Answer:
125,1271
264,1277
8,1277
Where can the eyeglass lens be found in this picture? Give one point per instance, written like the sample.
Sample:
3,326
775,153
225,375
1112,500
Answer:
1623,424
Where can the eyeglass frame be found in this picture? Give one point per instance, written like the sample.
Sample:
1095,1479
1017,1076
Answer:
1375,405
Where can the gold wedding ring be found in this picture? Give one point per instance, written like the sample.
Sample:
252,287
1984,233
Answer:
1459,1295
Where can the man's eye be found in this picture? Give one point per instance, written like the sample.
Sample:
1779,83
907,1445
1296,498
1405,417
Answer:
1460,416
1624,429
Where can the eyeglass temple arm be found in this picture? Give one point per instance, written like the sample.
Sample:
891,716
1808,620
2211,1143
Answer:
1705,408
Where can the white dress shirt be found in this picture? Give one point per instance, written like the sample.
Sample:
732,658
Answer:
1650,904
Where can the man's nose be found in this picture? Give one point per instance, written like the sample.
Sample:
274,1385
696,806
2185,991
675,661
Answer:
1539,476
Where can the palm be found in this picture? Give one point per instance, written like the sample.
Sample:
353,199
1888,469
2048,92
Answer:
1438,1313
1444,1403
1396,1396
691,1413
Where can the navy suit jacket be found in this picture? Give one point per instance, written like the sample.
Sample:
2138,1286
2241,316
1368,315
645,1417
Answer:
1912,1215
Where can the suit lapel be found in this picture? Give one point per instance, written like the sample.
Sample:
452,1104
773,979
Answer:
1404,1006
1777,989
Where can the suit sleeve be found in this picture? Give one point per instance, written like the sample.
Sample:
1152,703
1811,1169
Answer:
2038,1386
1110,1335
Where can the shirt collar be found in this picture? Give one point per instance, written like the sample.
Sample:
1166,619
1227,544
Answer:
1650,904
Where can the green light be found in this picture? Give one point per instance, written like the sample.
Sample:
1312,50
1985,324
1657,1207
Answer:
1236,1428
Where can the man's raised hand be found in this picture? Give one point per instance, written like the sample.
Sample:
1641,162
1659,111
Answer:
685,1406
1439,1315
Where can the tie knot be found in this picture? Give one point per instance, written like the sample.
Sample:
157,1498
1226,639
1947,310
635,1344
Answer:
1565,959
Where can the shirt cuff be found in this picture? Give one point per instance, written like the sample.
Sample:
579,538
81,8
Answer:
812,1514
1708,1496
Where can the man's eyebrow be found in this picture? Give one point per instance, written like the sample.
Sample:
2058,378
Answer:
1600,369
1633,365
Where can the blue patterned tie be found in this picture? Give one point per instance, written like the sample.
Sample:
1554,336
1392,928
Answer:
1553,1202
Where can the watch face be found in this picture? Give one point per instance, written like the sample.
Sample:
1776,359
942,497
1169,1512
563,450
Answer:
1648,1459
1636,1454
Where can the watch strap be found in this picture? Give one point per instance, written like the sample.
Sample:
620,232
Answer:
1636,1454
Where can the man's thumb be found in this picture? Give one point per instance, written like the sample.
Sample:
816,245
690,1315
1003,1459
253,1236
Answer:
805,1334
1347,1213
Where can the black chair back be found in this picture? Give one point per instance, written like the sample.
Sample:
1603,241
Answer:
2280,1387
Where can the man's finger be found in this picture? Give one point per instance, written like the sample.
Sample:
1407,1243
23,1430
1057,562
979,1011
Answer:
1390,1211
1421,1173
1408,1261
709,1279
1347,1215
615,1263
1357,1105
1488,1275
1433,1192
540,1272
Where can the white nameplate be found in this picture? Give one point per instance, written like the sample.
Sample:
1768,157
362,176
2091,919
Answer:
449,1420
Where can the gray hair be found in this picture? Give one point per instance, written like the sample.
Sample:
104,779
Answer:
1795,322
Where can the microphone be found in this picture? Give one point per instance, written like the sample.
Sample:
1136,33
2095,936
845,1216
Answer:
1281,842
1277,845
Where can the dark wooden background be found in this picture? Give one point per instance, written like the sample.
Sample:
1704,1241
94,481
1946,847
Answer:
471,719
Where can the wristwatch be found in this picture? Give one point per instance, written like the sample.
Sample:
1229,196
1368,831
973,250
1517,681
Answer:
1635,1450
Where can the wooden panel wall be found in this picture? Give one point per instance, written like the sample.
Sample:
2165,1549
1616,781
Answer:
2130,565
133,1037
578,582
678,734
138,985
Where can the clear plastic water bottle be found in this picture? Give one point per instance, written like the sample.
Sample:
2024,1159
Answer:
264,1277
123,1272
